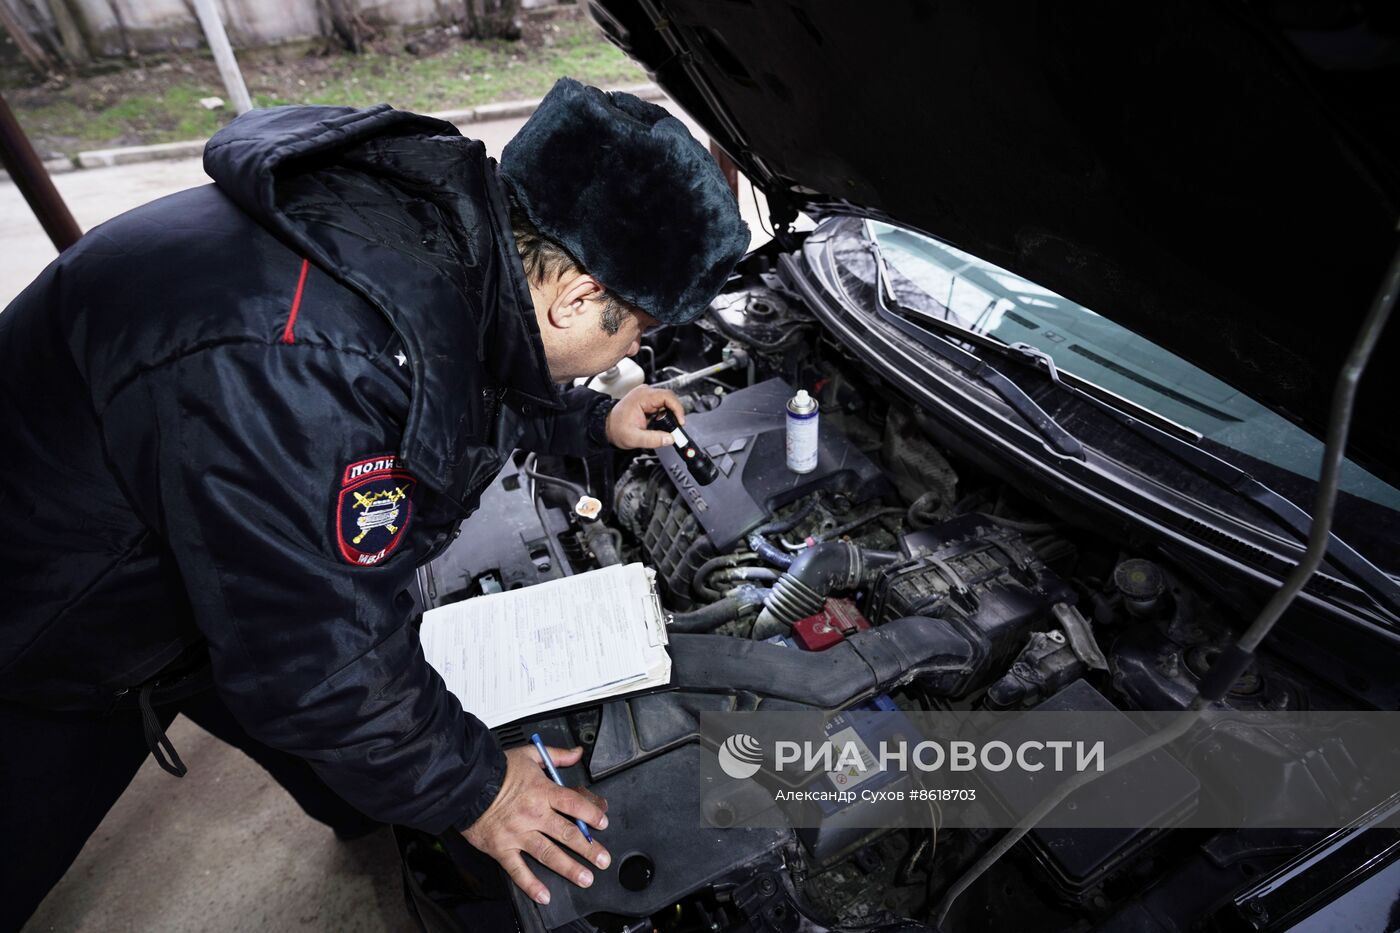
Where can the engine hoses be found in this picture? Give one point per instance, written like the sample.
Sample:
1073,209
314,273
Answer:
765,549
812,575
731,608
698,585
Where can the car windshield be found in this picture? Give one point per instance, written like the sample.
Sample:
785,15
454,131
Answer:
979,296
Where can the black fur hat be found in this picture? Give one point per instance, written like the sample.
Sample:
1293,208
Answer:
623,186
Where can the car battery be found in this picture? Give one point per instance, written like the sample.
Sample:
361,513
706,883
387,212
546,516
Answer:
847,823
865,725
844,824
838,620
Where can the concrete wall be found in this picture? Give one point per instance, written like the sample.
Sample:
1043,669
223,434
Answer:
152,25
113,26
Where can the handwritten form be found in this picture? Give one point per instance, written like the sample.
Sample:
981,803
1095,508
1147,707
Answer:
569,641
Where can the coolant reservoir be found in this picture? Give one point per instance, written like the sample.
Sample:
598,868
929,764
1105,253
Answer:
621,379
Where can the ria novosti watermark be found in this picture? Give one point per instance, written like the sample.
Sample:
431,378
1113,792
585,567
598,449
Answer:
881,766
740,756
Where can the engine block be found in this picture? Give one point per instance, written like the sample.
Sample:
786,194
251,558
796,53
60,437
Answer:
681,525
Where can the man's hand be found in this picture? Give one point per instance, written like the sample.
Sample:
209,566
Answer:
531,814
627,422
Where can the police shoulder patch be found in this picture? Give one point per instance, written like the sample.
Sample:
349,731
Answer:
373,509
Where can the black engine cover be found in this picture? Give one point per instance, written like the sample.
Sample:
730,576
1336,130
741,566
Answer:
983,578
746,436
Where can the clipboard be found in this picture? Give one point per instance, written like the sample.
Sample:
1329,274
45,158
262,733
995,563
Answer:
564,644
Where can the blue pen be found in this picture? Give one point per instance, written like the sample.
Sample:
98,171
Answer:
554,776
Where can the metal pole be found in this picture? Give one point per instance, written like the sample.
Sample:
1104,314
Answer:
23,164
727,166
214,34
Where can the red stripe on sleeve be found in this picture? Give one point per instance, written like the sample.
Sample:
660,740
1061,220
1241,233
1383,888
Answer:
287,335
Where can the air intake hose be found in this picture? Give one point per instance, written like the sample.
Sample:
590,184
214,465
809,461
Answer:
814,574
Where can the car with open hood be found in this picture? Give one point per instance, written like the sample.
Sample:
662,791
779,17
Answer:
1073,287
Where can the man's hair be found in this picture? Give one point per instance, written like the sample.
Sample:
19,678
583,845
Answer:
545,260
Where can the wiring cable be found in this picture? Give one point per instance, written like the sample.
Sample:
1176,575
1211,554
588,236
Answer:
569,486
551,542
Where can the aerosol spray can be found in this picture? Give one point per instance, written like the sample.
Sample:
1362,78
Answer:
802,438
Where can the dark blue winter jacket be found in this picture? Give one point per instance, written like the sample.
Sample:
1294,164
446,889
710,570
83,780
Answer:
235,419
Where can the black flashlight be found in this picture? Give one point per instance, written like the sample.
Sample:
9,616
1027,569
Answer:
701,467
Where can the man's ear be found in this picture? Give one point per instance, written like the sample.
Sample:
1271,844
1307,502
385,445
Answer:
572,301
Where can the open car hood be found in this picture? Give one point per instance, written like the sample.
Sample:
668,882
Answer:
1217,177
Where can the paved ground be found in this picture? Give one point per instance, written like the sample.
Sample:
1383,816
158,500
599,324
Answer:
223,848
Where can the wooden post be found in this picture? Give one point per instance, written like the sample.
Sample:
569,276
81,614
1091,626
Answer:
493,19
214,34
70,33
34,183
33,53
345,24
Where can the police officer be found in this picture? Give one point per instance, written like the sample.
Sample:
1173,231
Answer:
237,418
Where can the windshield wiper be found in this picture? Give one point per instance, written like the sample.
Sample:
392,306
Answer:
1175,439
1047,427
1340,556
901,315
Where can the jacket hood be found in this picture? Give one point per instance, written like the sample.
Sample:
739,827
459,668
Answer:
1221,178
403,209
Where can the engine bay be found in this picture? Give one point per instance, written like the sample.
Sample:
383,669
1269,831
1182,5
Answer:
898,574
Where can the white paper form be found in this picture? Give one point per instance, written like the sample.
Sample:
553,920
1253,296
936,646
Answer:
511,654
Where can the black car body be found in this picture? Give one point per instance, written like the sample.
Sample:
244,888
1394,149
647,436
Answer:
1177,215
